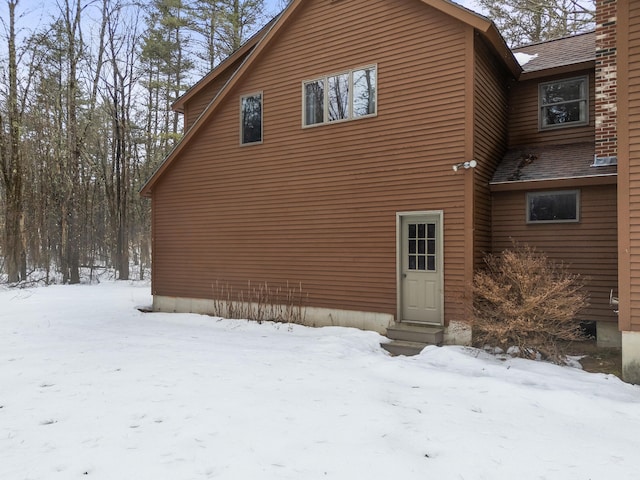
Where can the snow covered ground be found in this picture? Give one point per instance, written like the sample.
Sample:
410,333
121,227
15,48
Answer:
92,388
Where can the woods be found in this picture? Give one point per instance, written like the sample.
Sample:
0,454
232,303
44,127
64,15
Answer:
85,118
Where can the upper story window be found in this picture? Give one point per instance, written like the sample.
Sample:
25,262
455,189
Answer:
564,103
553,207
251,119
341,96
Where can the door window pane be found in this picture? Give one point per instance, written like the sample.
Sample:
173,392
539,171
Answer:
422,236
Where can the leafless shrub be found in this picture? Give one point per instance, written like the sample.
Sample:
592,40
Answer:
524,300
260,303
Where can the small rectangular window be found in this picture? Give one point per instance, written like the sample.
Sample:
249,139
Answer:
341,96
550,207
364,92
251,119
564,103
314,102
338,97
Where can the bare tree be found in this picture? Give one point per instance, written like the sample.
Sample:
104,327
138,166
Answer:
11,168
529,21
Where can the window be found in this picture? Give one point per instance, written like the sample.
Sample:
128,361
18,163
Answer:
340,96
564,103
251,119
549,207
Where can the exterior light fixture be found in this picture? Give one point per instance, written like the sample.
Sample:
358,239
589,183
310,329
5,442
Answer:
465,165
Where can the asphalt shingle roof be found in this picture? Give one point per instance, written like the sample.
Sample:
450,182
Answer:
559,53
549,162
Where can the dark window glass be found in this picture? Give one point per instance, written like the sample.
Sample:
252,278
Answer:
314,102
412,230
563,102
431,263
421,246
252,119
412,262
412,246
552,207
421,264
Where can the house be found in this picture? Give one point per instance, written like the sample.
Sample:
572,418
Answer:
370,152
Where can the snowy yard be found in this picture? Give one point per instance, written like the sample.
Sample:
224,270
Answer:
92,388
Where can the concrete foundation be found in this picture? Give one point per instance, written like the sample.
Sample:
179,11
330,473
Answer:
457,333
313,316
608,335
631,357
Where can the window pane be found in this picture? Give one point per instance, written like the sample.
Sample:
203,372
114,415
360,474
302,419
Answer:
412,246
431,263
412,262
564,113
364,92
431,230
564,91
338,89
314,102
421,246
553,206
431,247
563,102
421,263
421,230
412,230
252,119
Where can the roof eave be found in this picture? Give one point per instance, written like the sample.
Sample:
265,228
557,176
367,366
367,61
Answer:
584,180
559,70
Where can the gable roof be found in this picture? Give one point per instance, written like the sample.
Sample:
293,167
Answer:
255,46
245,49
559,55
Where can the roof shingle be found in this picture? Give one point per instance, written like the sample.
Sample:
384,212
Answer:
560,52
550,162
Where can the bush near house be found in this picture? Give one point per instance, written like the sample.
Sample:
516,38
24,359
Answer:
524,300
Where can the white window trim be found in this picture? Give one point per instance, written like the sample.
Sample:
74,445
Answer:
553,192
242,97
581,123
325,78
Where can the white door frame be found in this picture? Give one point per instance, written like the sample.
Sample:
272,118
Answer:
440,260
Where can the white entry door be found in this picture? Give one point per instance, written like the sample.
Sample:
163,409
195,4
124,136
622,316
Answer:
421,268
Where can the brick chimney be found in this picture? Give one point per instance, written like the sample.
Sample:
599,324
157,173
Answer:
606,82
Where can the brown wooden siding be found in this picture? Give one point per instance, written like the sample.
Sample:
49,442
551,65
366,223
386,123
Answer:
318,205
588,247
633,125
523,115
199,102
490,133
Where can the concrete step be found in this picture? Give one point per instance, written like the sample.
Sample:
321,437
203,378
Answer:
399,347
416,333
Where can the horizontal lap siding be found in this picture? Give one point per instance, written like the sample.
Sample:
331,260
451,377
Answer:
588,247
490,132
317,206
634,160
523,115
